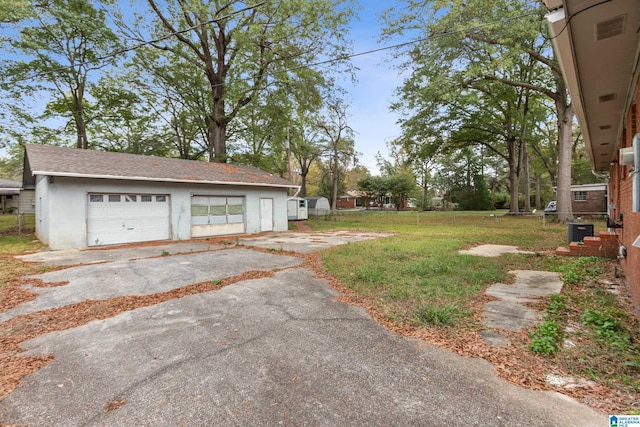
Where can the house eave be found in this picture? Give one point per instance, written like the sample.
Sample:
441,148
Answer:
148,179
600,71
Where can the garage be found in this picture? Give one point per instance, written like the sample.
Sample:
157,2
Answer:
89,198
127,218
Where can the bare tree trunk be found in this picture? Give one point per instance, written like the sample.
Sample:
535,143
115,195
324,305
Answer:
527,187
425,189
334,196
81,130
538,201
513,177
78,117
304,171
565,143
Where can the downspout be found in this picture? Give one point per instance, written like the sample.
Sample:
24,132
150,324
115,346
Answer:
296,194
606,178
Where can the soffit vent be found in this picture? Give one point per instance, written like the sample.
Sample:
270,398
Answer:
607,97
605,127
610,28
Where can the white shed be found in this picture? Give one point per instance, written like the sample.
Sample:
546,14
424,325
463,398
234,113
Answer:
93,198
297,208
318,205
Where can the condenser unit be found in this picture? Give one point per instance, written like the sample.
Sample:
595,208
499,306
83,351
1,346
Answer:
578,231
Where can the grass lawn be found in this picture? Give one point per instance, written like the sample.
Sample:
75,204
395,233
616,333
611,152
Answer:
12,243
417,281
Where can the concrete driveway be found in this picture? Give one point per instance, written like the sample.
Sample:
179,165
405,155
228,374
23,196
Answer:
271,351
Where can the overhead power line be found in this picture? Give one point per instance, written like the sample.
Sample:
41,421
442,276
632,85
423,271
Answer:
309,65
140,45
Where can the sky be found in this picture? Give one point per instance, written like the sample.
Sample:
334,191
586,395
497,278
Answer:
370,96
373,92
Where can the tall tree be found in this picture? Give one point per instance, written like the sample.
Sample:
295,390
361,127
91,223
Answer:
242,50
67,41
482,41
340,143
306,144
12,11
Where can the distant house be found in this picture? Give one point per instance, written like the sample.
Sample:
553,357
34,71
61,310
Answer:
9,195
589,198
585,199
93,198
348,201
318,205
598,50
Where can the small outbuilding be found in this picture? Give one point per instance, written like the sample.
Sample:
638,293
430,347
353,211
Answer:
297,209
9,195
318,205
93,198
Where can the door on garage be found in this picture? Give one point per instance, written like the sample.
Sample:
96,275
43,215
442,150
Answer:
266,215
217,215
127,218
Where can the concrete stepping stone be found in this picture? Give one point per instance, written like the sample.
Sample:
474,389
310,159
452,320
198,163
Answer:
510,311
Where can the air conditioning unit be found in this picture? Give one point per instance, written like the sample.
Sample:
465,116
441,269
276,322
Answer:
578,231
626,156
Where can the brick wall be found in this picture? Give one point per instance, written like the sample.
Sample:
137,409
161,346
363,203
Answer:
346,203
596,202
621,196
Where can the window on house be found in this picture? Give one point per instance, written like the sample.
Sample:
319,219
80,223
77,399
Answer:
161,198
130,198
580,196
96,198
146,198
114,197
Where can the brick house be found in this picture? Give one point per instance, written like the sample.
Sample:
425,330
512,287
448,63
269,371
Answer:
598,48
589,199
346,202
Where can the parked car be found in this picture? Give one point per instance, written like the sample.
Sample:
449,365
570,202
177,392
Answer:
551,206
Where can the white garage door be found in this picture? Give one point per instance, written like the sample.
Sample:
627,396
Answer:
127,218
217,215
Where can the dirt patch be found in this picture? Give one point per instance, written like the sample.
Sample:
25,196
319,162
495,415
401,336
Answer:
303,227
113,405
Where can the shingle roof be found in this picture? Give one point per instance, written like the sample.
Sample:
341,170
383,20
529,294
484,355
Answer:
6,183
8,187
58,161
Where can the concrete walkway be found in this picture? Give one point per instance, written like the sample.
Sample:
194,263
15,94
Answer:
510,312
269,351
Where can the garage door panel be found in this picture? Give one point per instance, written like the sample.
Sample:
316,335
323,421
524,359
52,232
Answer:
217,215
124,218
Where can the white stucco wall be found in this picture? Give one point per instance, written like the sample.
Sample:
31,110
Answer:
61,207
42,209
